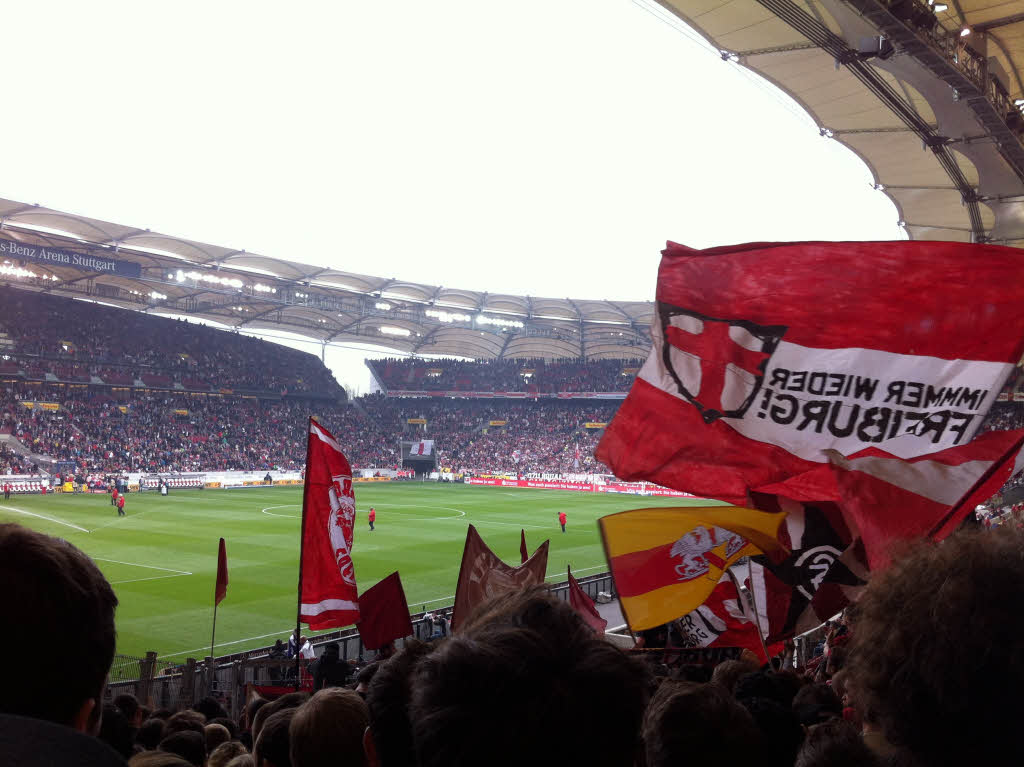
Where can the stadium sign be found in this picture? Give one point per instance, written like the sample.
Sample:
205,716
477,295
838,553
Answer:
59,257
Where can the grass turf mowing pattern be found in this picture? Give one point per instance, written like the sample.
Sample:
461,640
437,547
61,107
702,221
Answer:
162,557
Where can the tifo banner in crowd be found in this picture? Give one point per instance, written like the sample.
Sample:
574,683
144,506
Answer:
328,596
59,257
483,575
666,562
765,376
586,487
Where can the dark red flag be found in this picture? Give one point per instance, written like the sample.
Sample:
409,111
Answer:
483,575
524,553
222,574
584,605
762,373
383,613
328,597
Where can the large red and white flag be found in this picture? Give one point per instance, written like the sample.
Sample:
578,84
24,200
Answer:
328,596
423,447
725,621
875,361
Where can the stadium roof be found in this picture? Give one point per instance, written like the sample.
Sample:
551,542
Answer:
163,274
923,92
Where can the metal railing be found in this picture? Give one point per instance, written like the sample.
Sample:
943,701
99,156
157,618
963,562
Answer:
162,684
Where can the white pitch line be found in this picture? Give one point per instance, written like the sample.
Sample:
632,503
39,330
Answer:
150,567
42,516
153,578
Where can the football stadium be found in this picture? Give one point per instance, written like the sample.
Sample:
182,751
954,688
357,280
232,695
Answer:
773,513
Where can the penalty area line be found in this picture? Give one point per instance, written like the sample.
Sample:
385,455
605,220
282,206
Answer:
42,516
148,567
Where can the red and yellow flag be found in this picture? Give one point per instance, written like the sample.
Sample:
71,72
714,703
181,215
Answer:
666,562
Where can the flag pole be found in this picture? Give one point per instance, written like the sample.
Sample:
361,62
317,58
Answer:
302,538
757,616
212,637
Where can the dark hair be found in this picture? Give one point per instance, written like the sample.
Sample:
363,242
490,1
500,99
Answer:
158,759
273,740
230,724
116,731
818,695
188,745
210,708
366,673
498,690
689,723
835,744
224,753
251,709
150,733
57,590
728,673
186,720
128,704
781,733
388,698
214,735
330,723
935,658
289,700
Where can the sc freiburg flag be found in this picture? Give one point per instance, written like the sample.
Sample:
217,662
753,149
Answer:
875,361
328,585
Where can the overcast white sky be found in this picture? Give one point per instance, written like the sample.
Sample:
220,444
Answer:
547,147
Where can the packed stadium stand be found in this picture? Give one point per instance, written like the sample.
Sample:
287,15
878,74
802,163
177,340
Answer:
534,376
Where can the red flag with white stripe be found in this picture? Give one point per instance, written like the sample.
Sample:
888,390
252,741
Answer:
327,581
772,362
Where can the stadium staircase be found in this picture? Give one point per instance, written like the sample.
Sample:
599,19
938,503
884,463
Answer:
44,462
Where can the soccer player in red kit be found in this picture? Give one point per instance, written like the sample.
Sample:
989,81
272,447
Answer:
120,505
561,519
373,516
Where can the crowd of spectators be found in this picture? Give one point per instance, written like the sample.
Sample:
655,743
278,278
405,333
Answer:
524,679
77,340
535,376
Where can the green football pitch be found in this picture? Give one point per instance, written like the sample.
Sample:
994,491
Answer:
162,557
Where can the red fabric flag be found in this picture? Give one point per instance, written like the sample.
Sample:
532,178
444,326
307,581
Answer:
771,362
483,575
384,613
222,574
524,553
724,621
584,605
328,596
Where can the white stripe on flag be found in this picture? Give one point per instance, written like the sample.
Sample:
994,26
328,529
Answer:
314,429
936,481
327,606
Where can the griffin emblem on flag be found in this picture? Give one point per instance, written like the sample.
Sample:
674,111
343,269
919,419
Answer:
340,524
718,365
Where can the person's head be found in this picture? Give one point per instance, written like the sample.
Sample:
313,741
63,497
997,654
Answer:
498,690
129,706
273,746
187,720
215,734
252,706
158,759
224,753
365,676
698,723
815,703
187,744
388,741
242,760
781,733
53,587
834,744
116,731
291,700
330,723
935,649
210,708
728,673
150,733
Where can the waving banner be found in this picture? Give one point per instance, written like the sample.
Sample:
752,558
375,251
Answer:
327,580
875,360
